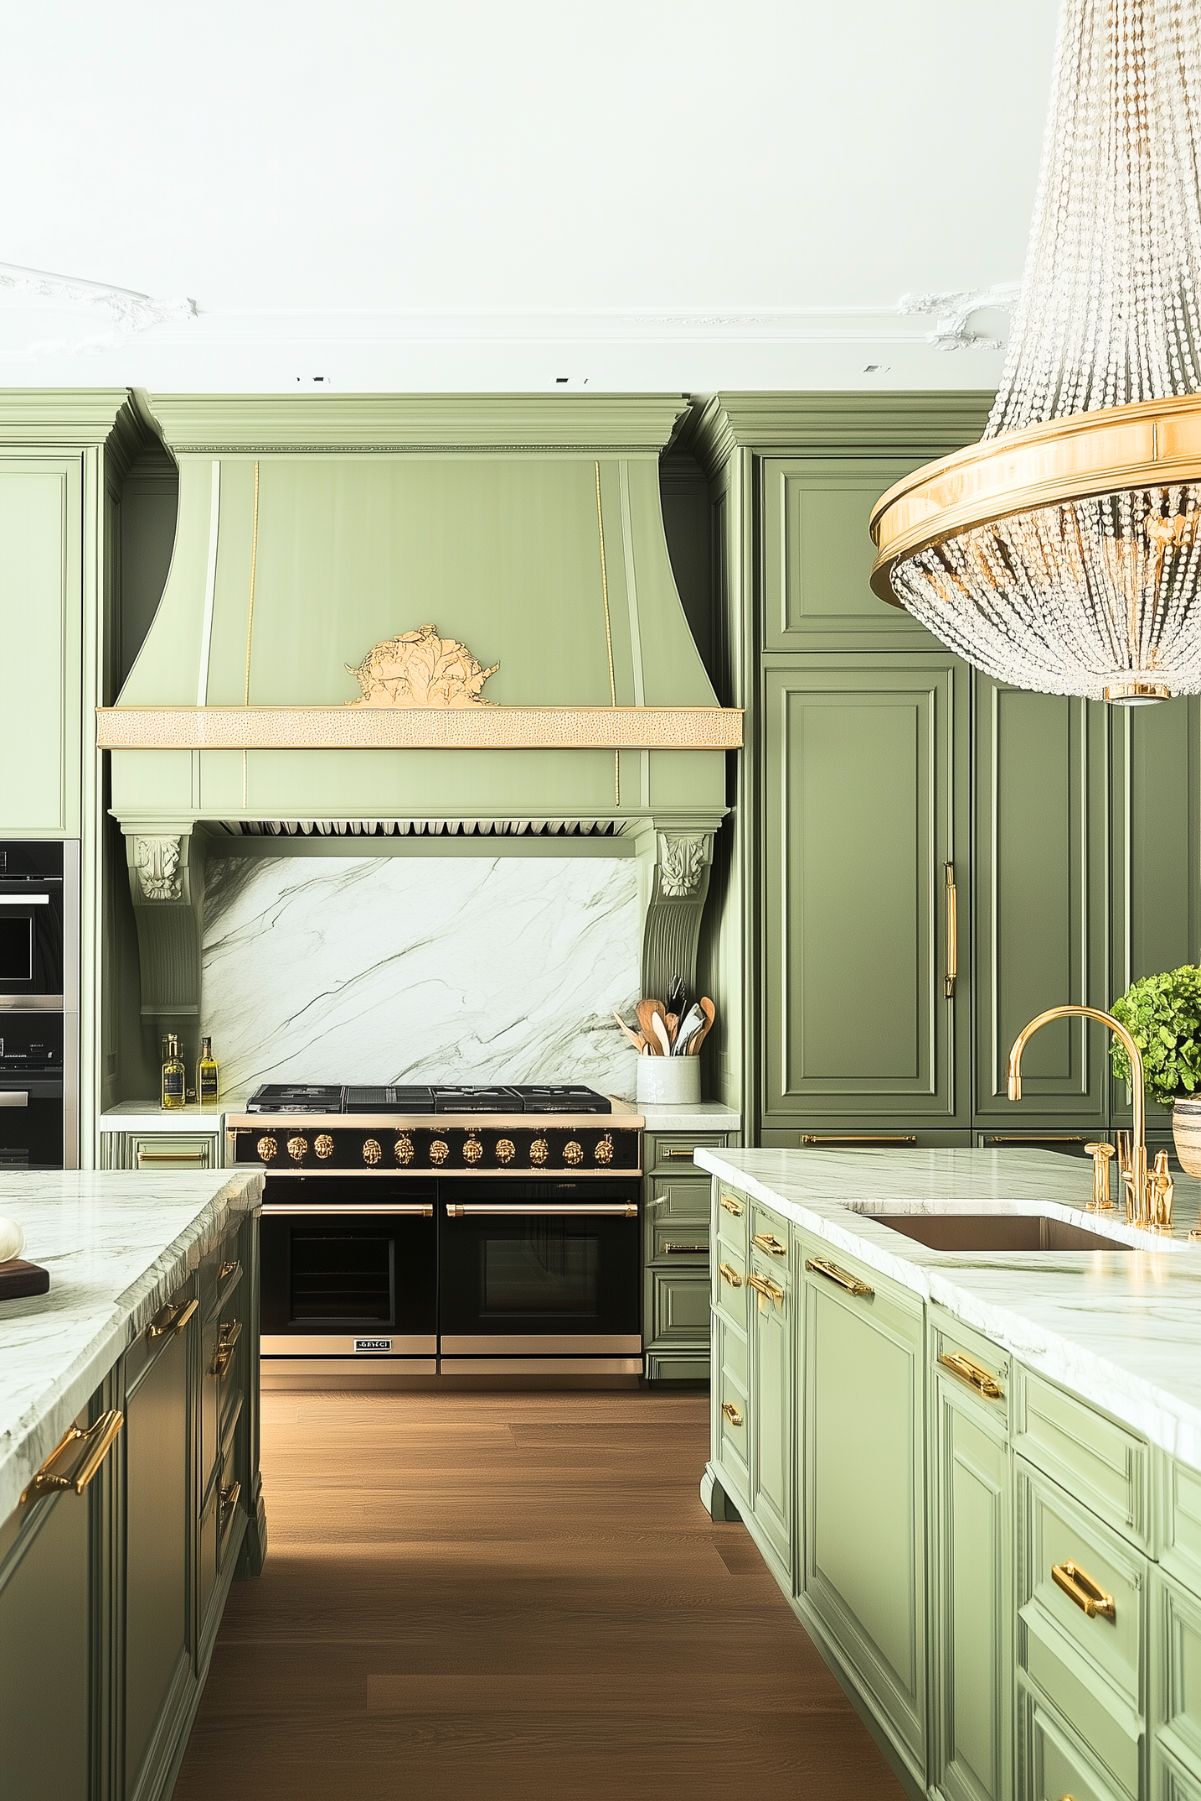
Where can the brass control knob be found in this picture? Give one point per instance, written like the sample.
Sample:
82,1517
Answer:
604,1149
539,1151
323,1144
402,1150
473,1149
298,1148
372,1151
506,1150
573,1152
439,1151
267,1148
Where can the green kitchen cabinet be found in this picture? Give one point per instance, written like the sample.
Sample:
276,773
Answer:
865,951
676,1256
772,1364
1040,902
1176,1689
161,1150
864,1487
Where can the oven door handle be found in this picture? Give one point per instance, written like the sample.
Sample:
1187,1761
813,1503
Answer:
539,1209
24,900
405,1210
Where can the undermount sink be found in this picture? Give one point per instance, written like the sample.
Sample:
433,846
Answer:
996,1232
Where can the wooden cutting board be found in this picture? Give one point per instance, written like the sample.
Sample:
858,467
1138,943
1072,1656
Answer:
20,1278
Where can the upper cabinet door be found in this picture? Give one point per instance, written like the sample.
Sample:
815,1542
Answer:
817,555
1041,902
864,818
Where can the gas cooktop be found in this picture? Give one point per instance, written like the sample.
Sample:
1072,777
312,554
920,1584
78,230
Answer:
437,1098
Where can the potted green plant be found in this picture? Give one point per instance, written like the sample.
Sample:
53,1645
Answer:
1162,1013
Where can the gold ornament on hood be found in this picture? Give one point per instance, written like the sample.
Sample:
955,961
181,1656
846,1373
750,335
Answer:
421,669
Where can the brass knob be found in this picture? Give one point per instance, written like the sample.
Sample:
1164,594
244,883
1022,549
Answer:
539,1151
506,1150
604,1150
298,1148
439,1151
267,1148
473,1150
323,1144
371,1150
402,1150
573,1152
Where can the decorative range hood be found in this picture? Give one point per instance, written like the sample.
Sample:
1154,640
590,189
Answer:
413,614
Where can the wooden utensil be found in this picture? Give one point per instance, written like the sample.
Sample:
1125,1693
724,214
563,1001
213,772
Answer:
638,1042
672,1021
646,1011
659,1028
698,1038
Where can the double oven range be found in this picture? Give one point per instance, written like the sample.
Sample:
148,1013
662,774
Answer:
411,1232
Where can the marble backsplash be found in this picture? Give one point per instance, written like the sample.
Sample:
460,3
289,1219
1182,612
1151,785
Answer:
420,968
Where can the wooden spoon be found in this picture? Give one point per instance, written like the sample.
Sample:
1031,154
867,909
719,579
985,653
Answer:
638,1042
698,1038
647,1011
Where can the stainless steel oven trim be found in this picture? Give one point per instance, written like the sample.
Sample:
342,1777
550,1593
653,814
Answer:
542,1172
542,1210
368,1210
540,1366
347,1372
531,1344
31,1003
24,900
341,1344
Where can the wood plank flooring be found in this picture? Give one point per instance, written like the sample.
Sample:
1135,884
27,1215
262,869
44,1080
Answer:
511,1597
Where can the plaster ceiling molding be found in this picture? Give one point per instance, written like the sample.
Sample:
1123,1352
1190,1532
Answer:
953,311
128,311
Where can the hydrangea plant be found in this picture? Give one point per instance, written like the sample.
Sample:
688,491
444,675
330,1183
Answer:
1162,1013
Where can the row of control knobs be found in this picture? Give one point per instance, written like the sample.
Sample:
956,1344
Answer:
404,1150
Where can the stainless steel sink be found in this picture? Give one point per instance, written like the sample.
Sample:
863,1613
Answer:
995,1232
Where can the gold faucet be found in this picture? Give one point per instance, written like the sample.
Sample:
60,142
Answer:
1143,1202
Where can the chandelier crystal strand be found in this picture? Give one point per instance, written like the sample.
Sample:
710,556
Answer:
1098,591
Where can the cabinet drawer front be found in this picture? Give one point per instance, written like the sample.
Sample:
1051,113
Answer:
733,1216
1182,1551
1055,1765
172,1150
679,1306
769,1236
670,1153
729,1271
679,1241
974,1366
1170,1781
731,1409
1105,1464
1177,1701
1068,1562
678,1198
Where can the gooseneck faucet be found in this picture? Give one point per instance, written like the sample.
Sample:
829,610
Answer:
1132,1161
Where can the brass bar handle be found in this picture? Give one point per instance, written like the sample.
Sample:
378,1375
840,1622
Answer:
539,1210
171,1319
671,1249
729,1274
230,1497
677,1150
228,1335
200,1158
952,911
857,1138
227,1270
767,1241
388,1210
99,1437
821,1266
733,1206
1036,1138
731,1412
771,1291
1080,1587
973,1373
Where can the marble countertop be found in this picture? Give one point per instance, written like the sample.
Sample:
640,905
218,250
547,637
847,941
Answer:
698,1116
117,1246
148,1116
1121,1328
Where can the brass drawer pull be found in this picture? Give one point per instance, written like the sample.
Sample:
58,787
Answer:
733,1206
227,1338
1035,1137
832,1272
729,1274
230,1497
678,1151
227,1270
671,1249
857,1138
973,1373
767,1241
952,931
199,1157
171,1319
731,1412
1079,1587
771,1291
99,1437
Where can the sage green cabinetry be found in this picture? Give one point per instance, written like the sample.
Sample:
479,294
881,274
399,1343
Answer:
160,1150
772,1362
676,1256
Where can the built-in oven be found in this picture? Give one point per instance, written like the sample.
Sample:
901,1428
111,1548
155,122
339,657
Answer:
38,889
349,1271
37,1125
540,1276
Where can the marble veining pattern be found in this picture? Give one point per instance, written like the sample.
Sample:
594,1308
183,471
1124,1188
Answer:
408,969
117,1246
1120,1328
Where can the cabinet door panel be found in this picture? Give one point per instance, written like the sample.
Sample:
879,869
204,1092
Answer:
1041,901
861,808
772,1411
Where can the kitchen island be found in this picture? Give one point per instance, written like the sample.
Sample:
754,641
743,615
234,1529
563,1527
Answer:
976,1473
129,1470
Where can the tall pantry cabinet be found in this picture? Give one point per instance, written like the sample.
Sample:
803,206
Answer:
921,858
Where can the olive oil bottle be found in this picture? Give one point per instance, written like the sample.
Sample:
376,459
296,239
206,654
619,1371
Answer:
207,1075
173,1074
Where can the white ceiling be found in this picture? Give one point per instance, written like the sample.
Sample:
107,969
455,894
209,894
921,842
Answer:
633,194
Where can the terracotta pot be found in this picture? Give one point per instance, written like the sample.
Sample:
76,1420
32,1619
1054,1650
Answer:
1186,1130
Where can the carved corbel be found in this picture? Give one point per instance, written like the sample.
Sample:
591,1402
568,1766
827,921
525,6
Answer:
166,885
679,887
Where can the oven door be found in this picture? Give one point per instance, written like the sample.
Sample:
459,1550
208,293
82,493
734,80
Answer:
539,1269
31,941
349,1268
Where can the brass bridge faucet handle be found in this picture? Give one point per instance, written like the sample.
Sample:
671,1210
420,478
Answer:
1102,1154
1163,1190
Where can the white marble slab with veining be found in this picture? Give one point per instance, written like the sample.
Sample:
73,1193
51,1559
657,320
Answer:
1120,1328
117,1245
145,1116
695,1116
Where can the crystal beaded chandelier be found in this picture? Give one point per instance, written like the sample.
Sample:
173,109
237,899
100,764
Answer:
1063,551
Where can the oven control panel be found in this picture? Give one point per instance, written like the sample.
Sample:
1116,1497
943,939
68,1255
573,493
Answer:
590,1146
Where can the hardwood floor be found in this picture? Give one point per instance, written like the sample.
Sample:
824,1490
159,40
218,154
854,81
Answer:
511,1597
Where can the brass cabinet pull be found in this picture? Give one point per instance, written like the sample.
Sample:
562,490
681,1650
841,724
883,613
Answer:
857,1138
1079,1587
729,1274
768,1242
536,1209
1035,1137
685,1250
227,1269
230,1497
973,1373
198,1157
952,931
171,1319
763,1285
228,1334
733,1206
731,1412
821,1266
678,1151
99,1437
